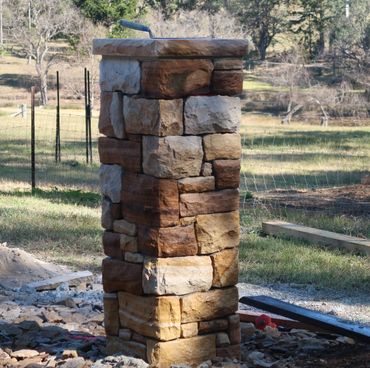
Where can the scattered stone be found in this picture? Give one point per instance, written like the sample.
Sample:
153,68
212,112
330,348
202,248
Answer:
69,354
24,353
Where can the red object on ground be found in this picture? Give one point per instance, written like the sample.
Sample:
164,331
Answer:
263,321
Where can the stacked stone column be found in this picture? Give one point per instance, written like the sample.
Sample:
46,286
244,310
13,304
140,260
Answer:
170,177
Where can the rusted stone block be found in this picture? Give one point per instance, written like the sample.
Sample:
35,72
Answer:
120,152
227,82
192,204
150,201
227,173
121,276
168,242
111,244
176,78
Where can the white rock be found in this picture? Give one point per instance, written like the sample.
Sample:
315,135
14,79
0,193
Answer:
111,181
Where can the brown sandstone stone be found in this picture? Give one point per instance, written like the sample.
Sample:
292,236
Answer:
225,267
110,212
184,221
111,316
197,184
121,276
111,245
232,352
189,329
192,204
134,257
125,334
172,157
167,242
209,305
139,338
152,316
214,325
234,329
222,339
110,180
227,82
177,275
124,227
128,243
175,78
150,201
153,117
206,169
105,124
116,345
217,231
227,173
228,64
193,350
222,146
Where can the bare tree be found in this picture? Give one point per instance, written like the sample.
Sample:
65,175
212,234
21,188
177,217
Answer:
35,24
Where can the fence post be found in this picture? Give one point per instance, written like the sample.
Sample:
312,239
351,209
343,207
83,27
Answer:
89,114
33,162
57,134
86,119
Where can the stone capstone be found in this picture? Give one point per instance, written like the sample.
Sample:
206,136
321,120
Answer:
110,177
178,275
212,114
225,267
222,146
172,157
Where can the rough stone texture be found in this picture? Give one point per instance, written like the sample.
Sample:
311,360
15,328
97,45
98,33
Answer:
110,177
217,231
116,115
194,350
105,124
168,242
212,114
128,243
145,48
150,201
197,184
134,257
227,82
172,157
225,267
184,221
222,146
153,117
124,333
121,276
192,204
175,78
118,74
222,339
116,345
124,227
127,154
234,329
227,173
157,317
232,352
110,212
189,329
111,317
178,275
206,169
111,245
228,64
216,325
209,305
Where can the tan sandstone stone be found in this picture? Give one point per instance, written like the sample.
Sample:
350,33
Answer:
189,329
111,316
206,169
152,316
209,304
153,117
184,221
110,179
197,184
222,146
234,329
217,231
227,173
194,350
225,267
177,275
128,243
222,339
124,227
172,157
116,345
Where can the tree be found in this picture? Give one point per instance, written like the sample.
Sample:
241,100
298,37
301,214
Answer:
34,25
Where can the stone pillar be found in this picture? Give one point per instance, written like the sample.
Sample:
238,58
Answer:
170,160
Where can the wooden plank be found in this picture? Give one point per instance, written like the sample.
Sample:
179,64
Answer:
322,237
314,318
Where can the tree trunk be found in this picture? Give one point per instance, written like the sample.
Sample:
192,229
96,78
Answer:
44,89
288,117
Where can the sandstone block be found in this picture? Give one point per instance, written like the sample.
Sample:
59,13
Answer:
227,173
209,305
176,78
134,257
168,242
172,157
124,227
152,316
222,339
110,177
111,245
192,204
116,345
228,64
178,275
215,325
227,82
232,352
216,232
225,267
212,114
128,243
206,169
189,329
139,338
153,117
184,221
234,329
194,350
111,316
105,123
222,146
197,184
121,276
120,152
110,212
117,74
150,201
125,334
